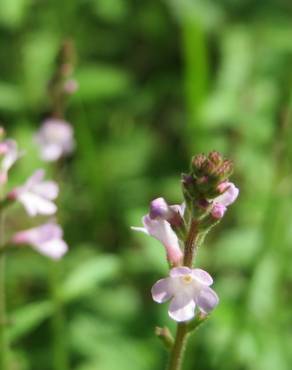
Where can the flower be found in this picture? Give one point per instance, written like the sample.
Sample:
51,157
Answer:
229,195
172,214
36,195
71,86
10,153
162,231
46,239
187,288
55,139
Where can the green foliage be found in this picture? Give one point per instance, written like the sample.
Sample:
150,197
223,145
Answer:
159,81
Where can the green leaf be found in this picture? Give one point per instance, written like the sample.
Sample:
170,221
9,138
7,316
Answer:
26,319
88,275
101,81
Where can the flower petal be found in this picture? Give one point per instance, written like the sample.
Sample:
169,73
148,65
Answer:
180,271
182,308
202,277
162,290
35,204
54,248
207,300
229,196
218,210
47,189
34,179
51,152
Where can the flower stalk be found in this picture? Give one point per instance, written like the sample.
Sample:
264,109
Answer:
4,345
3,319
177,353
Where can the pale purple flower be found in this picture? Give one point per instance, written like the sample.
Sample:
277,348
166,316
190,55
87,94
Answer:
9,153
37,195
187,289
229,195
159,208
47,239
162,231
55,139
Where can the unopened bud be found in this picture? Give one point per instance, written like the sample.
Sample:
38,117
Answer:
215,157
198,161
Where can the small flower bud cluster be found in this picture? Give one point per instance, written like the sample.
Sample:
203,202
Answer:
207,193
37,196
206,187
207,172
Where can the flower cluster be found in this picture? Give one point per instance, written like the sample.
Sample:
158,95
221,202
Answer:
208,193
37,196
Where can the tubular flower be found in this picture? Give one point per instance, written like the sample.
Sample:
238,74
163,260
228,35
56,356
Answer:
186,288
162,231
55,139
46,239
37,195
229,195
9,153
172,214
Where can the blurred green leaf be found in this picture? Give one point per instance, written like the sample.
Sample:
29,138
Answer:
12,12
10,97
86,277
28,318
101,82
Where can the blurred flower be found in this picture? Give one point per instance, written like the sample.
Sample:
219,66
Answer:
71,86
36,195
47,239
187,288
162,231
229,195
9,153
55,139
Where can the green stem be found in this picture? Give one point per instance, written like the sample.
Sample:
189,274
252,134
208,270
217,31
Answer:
176,357
3,320
191,244
178,349
4,346
60,350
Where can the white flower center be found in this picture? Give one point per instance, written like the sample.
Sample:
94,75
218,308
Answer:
187,279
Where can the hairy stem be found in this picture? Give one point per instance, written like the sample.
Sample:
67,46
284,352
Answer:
3,320
177,353
176,357
191,244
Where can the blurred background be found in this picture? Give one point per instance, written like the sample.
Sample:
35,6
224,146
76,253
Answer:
159,81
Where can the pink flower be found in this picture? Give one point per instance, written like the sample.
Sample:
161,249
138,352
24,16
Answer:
10,153
172,214
36,195
229,195
187,288
71,86
162,231
55,139
46,239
